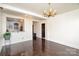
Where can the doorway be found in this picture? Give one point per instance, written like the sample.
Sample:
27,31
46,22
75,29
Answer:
35,29
43,30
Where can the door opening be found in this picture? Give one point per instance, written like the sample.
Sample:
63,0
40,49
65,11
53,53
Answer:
35,29
43,30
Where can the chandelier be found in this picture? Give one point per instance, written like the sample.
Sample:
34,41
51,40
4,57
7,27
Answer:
49,12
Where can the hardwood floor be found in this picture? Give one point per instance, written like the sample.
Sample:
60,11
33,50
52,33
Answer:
38,47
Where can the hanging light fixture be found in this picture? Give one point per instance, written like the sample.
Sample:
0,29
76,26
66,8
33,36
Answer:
49,12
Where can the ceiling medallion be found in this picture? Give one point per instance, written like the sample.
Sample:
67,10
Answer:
49,12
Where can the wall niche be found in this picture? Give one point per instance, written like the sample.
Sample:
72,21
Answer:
14,24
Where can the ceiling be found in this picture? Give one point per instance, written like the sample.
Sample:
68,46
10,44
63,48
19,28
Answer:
39,7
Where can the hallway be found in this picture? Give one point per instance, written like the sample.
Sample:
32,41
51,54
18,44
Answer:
38,47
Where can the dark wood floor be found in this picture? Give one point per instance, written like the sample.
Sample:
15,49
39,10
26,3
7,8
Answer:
38,47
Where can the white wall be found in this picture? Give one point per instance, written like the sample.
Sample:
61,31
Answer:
0,33
64,29
1,29
17,37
